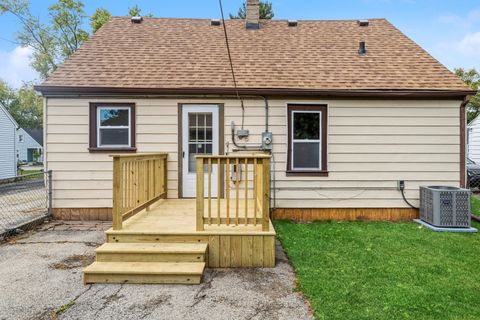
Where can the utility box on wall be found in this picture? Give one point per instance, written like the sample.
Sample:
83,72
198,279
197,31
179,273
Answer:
443,206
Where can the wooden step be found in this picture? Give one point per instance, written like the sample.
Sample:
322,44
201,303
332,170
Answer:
144,272
152,252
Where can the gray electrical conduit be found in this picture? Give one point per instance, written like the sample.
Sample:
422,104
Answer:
254,148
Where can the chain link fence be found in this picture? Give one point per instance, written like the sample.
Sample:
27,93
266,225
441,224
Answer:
25,202
473,179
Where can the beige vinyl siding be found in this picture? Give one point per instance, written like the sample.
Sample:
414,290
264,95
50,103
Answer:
371,145
83,179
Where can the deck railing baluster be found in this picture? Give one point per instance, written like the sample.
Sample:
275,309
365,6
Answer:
227,182
255,191
219,179
135,181
246,191
237,188
209,185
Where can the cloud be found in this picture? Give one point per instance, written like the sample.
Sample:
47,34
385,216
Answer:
470,44
15,66
460,52
467,21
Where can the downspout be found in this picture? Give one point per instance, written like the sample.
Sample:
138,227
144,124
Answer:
463,123
266,113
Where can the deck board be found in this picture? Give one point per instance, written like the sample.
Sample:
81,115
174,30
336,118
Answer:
178,216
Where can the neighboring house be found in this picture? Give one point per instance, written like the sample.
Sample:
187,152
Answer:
353,107
29,145
8,127
473,140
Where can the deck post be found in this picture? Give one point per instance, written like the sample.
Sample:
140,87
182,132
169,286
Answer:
200,193
117,194
265,194
164,178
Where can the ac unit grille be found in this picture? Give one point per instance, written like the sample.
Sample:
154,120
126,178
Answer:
445,206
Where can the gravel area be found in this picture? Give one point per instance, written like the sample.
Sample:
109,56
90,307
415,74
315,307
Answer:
41,278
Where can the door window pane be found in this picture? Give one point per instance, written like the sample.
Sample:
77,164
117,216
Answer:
114,137
192,134
208,136
306,155
199,136
306,125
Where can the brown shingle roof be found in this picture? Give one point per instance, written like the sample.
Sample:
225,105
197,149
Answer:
191,54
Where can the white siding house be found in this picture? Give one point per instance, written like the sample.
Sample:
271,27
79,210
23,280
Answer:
8,127
29,144
474,140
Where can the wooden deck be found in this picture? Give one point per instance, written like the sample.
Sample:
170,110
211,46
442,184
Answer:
159,240
173,220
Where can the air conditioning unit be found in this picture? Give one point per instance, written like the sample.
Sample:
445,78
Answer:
443,206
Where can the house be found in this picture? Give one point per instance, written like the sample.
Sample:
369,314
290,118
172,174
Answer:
8,163
29,145
320,121
473,140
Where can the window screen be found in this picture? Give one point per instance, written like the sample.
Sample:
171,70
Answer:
113,127
306,138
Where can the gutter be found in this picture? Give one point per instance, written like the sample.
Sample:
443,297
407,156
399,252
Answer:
61,91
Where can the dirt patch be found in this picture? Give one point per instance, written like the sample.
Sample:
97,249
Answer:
74,261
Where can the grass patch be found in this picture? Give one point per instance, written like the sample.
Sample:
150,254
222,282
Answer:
382,270
475,205
54,315
22,172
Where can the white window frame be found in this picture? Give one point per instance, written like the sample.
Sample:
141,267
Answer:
21,138
319,141
100,127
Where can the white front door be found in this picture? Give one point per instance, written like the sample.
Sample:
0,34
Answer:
200,135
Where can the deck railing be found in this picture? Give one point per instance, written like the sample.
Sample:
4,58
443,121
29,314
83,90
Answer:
242,187
139,180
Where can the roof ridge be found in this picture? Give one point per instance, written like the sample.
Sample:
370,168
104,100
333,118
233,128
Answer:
266,20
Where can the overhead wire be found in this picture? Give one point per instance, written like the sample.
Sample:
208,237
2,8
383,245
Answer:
231,63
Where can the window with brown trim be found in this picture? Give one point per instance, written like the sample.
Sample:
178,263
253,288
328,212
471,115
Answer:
112,127
307,140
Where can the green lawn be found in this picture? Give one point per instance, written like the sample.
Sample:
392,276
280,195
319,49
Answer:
475,205
382,270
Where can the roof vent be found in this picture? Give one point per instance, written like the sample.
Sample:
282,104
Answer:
215,22
363,23
137,19
292,23
362,50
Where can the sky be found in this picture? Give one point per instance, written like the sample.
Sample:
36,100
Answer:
448,29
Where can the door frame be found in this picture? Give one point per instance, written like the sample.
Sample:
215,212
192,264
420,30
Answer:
221,141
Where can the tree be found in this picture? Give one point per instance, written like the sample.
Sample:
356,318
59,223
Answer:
472,79
52,43
99,18
23,104
135,11
6,95
266,11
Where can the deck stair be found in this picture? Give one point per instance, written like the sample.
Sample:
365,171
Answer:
148,263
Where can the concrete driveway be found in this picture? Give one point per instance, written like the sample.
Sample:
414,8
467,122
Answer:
40,278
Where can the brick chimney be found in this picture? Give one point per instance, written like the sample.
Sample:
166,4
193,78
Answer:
253,14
